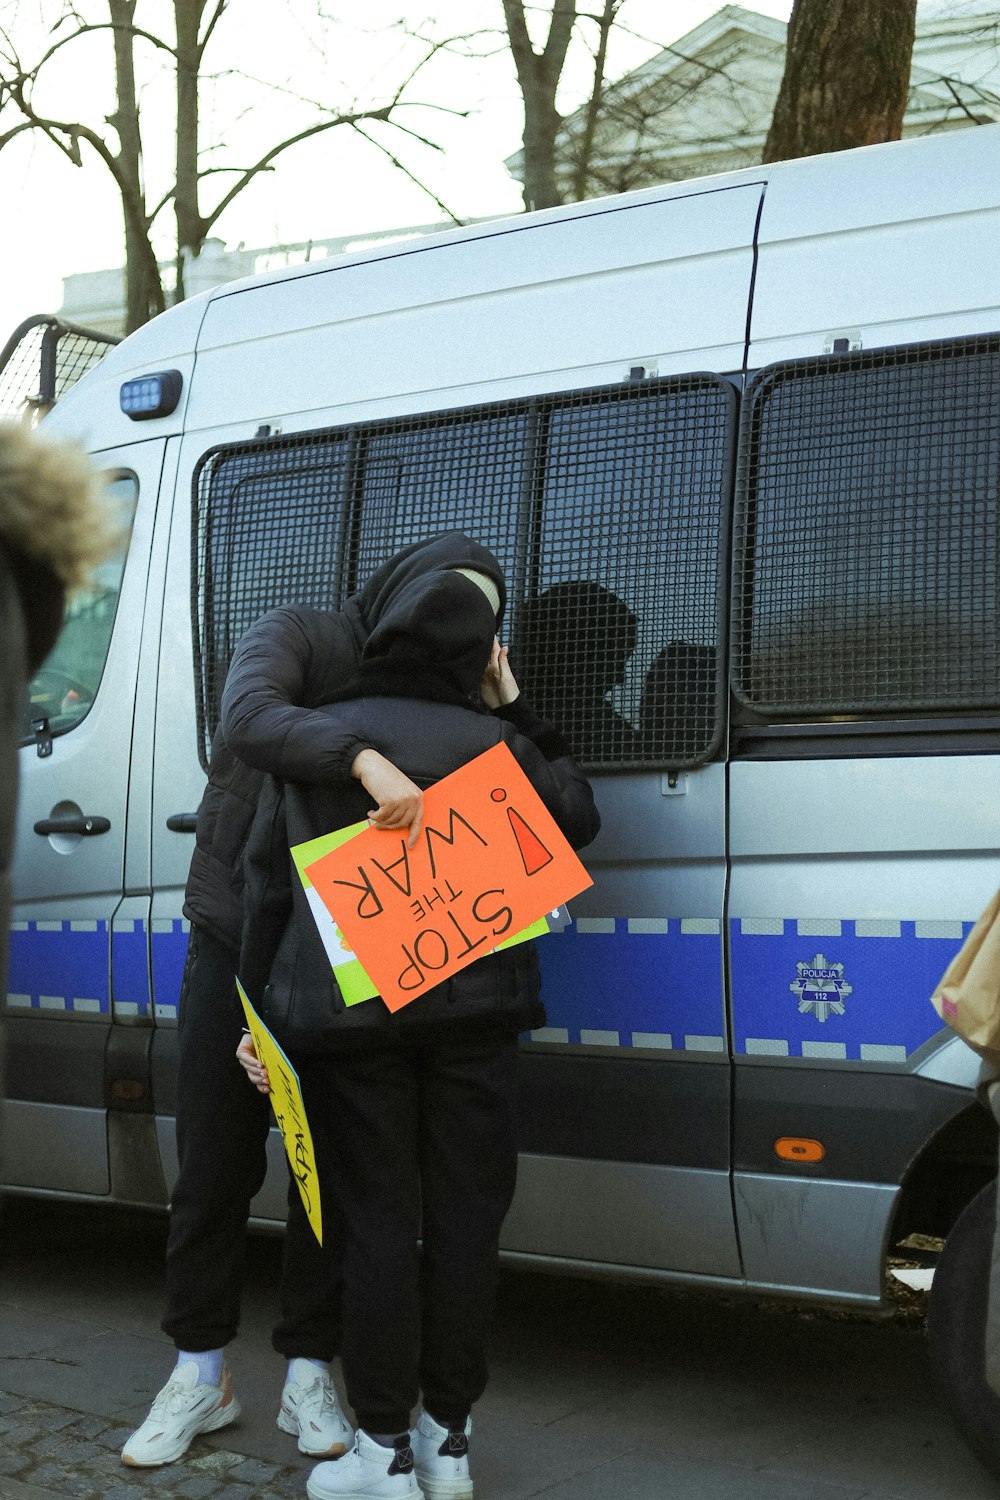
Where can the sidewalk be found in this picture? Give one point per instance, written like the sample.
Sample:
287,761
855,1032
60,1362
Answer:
47,1451
598,1392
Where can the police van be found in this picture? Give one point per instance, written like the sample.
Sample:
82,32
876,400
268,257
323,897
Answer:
736,443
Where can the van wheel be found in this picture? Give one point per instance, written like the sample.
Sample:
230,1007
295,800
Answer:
956,1327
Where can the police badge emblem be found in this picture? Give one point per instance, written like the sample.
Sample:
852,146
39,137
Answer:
821,988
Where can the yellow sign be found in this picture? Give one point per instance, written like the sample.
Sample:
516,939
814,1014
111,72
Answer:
290,1113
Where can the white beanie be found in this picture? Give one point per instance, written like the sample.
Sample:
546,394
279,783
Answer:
484,582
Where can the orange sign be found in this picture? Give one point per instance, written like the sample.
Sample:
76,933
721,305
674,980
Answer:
490,860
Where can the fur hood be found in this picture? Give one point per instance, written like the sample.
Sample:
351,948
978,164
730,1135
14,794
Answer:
54,528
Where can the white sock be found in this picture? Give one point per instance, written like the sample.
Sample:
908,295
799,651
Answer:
319,1364
209,1363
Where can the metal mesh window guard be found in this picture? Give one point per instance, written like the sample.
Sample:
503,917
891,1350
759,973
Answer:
867,535
42,360
268,529
604,508
618,639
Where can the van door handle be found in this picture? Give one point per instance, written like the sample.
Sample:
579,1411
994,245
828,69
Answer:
73,823
182,822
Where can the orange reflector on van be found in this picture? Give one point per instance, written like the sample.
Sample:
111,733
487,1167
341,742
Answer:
798,1148
127,1090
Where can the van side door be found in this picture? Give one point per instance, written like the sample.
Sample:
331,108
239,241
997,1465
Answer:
69,985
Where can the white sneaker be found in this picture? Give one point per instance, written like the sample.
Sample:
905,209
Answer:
441,1460
181,1410
310,1411
368,1472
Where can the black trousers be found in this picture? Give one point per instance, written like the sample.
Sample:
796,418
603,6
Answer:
222,1129
416,1141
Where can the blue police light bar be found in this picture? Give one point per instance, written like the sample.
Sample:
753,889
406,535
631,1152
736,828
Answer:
151,395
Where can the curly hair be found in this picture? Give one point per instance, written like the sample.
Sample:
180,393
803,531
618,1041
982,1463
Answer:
52,505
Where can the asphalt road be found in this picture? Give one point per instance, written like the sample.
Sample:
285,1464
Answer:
598,1392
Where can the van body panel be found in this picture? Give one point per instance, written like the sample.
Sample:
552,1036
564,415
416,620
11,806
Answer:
144,834
178,779
56,1148
848,898
867,242
678,1104
941,803
796,1233
642,965
664,279
623,1214
93,414
946,1059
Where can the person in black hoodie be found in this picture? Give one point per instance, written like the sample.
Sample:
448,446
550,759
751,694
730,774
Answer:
412,1113
292,659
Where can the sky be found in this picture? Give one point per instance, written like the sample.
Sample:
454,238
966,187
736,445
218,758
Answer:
58,219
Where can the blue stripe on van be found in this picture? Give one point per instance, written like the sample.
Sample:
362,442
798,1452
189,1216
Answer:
862,992
607,982
637,983
169,943
59,967
130,968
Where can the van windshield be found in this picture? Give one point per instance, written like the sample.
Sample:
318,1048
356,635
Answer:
64,688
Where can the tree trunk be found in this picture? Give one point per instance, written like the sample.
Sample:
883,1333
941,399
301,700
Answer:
143,292
190,227
846,80
538,74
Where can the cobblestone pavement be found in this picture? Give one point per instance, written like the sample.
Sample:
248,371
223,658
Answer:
46,1450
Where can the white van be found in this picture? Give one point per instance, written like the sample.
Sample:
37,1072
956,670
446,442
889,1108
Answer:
737,445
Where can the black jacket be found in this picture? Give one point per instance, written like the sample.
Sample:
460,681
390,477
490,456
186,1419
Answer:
292,659
415,680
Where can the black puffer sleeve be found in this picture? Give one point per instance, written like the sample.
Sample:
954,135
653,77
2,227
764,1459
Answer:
267,893
527,722
288,662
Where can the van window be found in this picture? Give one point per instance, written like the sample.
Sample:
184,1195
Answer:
268,529
64,688
604,508
867,533
466,472
618,639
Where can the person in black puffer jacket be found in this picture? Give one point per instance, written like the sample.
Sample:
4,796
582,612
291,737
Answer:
412,1113
292,659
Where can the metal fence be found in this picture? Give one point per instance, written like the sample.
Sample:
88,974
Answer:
43,359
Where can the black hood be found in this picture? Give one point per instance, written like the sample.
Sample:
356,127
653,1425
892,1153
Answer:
448,549
433,641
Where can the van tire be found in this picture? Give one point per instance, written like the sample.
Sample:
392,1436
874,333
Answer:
956,1327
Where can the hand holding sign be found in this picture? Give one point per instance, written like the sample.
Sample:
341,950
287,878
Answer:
289,1113
490,860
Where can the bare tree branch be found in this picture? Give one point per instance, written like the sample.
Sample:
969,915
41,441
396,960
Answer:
214,20
196,24
293,140
380,146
